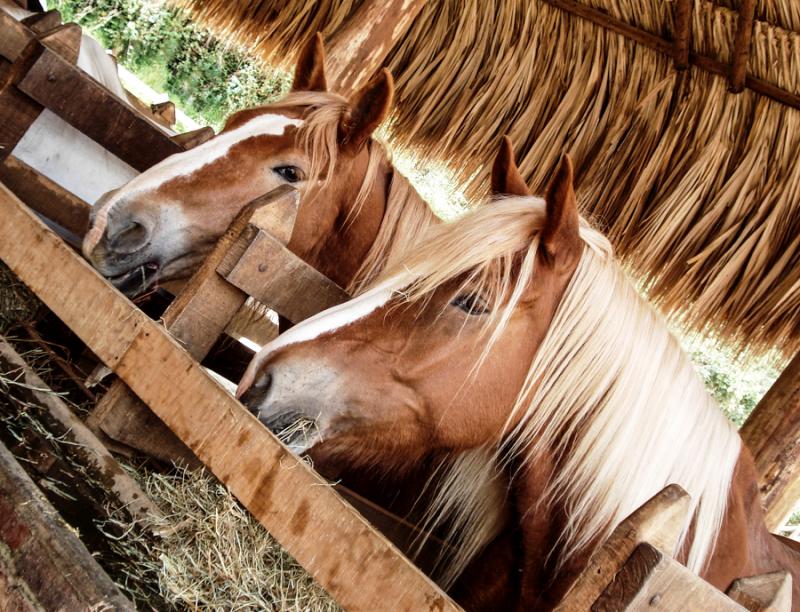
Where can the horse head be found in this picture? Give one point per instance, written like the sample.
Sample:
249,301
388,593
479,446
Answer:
160,225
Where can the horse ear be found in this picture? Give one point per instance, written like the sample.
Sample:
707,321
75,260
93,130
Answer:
561,231
309,75
371,106
506,179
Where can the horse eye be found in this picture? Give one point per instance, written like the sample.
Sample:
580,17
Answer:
290,174
471,303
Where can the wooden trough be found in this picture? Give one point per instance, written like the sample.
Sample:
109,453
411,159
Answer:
165,403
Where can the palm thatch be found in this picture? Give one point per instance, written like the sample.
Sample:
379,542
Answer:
698,188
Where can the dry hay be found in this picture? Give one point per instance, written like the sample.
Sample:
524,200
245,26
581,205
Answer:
18,304
697,187
211,553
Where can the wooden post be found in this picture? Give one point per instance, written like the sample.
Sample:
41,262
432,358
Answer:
338,547
196,318
772,433
653,580
360,47
683,32
659,521
741,45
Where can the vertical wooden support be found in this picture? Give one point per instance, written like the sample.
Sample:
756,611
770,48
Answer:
42,22
741,45
772,433
359,49
196,318
659,521
683,33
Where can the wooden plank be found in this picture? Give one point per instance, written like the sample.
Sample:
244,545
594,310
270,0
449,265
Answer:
652,580
42,22
280,280
44,196
606,21
44,553
165,111
741,45
13,37
659,521
772,433
64,40
197,318
88,106
358,50
357,565
17,111
189,140
683,33
764,593
92,451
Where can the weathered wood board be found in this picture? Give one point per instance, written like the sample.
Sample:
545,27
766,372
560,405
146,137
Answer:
356,564
44,565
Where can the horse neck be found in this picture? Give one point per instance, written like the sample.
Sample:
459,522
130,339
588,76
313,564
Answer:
405,218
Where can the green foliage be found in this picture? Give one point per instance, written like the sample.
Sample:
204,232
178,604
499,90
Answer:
205,77
737,383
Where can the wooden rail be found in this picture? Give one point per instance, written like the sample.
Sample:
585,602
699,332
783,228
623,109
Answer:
356,564
667,47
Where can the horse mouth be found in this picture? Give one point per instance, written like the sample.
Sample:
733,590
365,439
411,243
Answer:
136,280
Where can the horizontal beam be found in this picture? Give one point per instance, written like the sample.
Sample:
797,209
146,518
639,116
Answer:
352,561
91,108
666,47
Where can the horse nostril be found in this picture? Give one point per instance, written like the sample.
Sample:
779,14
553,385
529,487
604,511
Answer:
256,395
130,238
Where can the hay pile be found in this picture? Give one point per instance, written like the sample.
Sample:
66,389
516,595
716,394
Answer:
698,188
211,553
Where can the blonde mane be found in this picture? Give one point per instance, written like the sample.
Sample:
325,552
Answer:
610,394
406,214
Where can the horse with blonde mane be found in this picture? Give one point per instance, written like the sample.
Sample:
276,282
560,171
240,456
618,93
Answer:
515,332
356,209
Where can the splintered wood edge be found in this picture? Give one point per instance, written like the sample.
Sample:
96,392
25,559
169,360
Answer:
659,521
358,566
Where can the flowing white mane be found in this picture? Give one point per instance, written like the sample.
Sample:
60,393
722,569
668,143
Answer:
610,393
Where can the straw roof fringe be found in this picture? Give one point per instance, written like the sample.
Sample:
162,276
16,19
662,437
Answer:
698,188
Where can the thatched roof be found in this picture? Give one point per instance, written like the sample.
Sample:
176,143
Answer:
698,188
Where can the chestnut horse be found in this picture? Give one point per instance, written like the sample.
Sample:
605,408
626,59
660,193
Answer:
514,330
356,210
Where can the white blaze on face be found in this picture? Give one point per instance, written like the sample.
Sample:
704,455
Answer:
325,322
184,164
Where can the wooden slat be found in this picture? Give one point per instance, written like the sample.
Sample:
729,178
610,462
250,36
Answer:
17,111
764,593
359,49
741,45
92,109
652,580
683,32
277,278
358,566
42,22
93,453
197,318
659,521
189,140
45,197
657,43
772,433
13,37
42,556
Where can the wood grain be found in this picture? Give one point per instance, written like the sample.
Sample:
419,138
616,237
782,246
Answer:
772,433
42,555
89,107
357,565
659,521
764,593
